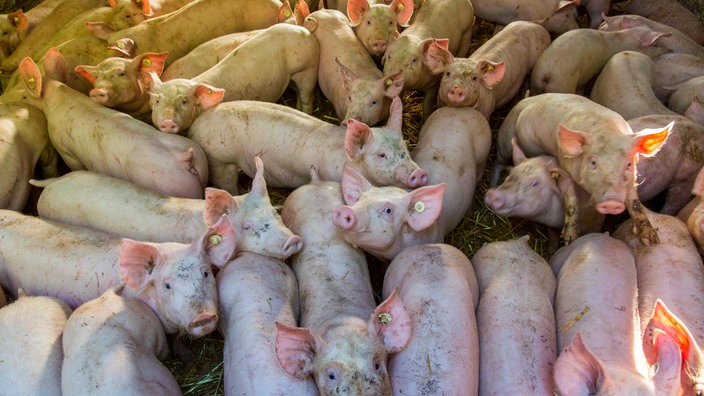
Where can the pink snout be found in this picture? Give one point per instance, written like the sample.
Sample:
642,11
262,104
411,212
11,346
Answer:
292,246
494,200
99,95
203,324
417,178
343,217
610,207
169,126
456,95
379,46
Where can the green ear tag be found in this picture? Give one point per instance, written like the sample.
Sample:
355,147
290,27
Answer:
287,13
215,239
419,206
16,20
388,82
120,45
384,318
146,62
400,6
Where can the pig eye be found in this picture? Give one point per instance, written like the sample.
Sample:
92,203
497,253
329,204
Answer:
206,274
474,78
448,74
382,155
373,102
386,210
629,166
184,102
369,22
167,286
592,163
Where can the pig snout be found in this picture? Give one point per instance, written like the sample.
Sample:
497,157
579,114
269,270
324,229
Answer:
456,95
379,46
417,178
203,324
343,217
292,246
610,207
169,126
99,95
494,199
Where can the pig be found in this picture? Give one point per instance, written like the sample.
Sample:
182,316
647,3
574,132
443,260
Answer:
279,134
448,23
453,146
515,319
672,69
375,23
596,317
30,349
90,136
674,41
59,16
206,55
553,71
203,20
624,86
347,74
539,190
688,360
439,288
676,165
493,74
385,220
78,264
505,12
677,285
16,26
593,144
291,53
255,293
671,13
122,84
344,339
88,199
563,19
112,346
693,213
687,95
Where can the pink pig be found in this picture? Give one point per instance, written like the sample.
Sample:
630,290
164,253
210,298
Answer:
375,23
693,213
30,349
88,199
78,264
438,286
112,346
343,341
385,220
255,293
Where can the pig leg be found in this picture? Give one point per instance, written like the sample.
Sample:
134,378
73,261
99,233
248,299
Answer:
305,82
641,225
570,230
49,163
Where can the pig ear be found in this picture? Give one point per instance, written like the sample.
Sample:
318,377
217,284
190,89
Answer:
100,30
664,320
698,186
154,81
31,76
436,55
695,111
651,37
395,121
572,141
124,47
296,348
353,184
150,63
19,20
403,10
393,85
301,12
144,6
112,4
392,323
423,206
348,76
86,71
55,65
217,203
492,72
258,182
518,154
137,261
285,12
218,242
357,138
649,141
669,362
577,370
355,10
310,23
207,95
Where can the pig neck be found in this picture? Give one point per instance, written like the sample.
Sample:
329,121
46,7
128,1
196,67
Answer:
406,237
140,104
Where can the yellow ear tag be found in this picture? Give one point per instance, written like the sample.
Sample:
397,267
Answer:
146,62
120,45
555,175
287,13
419,206
32,82
400,6
210,91
388,82
16,20
384,318
215,239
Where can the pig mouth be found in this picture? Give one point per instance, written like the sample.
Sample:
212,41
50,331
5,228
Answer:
203,324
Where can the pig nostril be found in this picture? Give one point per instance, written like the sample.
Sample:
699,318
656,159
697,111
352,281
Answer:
203,324
292,246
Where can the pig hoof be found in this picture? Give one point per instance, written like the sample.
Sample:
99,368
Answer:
649,237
